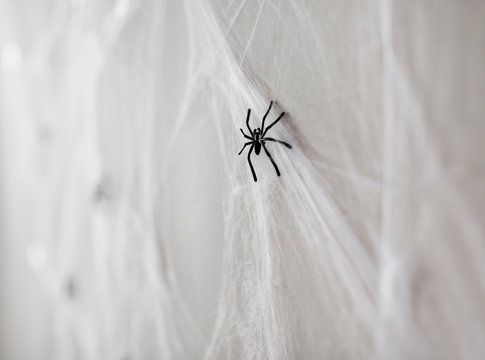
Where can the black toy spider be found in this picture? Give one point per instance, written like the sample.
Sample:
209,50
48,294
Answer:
258,139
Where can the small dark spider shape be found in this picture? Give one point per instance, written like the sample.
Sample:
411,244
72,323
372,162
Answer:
258,139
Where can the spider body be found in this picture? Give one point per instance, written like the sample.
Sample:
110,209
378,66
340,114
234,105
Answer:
258,140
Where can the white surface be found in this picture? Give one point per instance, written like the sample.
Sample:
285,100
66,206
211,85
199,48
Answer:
120,128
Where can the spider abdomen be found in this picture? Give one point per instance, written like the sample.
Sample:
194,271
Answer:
257,147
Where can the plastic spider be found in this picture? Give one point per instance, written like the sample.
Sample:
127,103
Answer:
258,139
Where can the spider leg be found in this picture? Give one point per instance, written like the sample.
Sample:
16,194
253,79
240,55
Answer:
246,136
246,144
278,141
250,164
264,117
271,158
247,123
274,122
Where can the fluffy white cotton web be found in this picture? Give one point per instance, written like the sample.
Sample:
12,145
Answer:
147,230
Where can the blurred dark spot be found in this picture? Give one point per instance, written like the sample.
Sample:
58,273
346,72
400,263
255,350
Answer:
103,192
70,288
